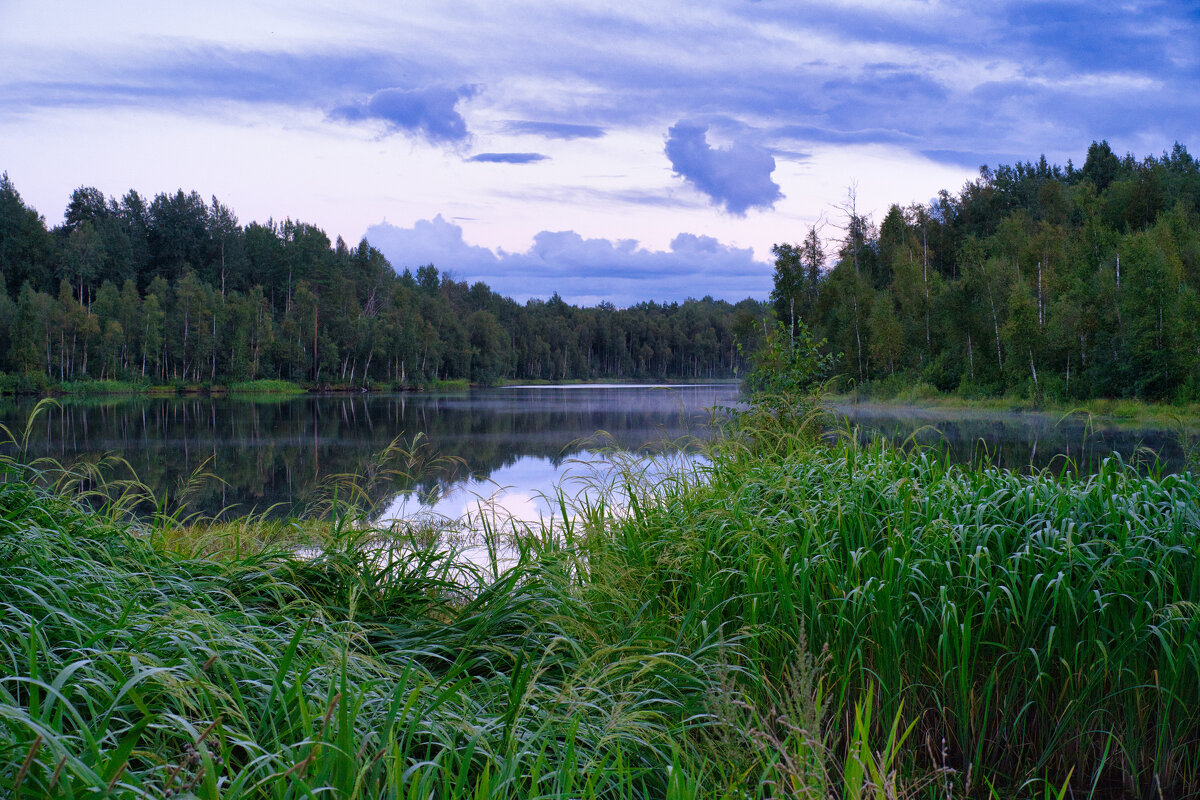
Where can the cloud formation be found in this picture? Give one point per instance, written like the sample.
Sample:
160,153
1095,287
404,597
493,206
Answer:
581,270
428,112
554,130
508,158
920,75
737,177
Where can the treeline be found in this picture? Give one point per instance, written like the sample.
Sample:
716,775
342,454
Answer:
1035,280
176,291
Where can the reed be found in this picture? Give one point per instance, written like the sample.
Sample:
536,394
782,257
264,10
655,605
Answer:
1026,626
788,618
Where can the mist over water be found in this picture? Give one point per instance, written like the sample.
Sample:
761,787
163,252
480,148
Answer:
508,447
281,453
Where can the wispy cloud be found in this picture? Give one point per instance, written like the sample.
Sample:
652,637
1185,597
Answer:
508,158
919,75
554,130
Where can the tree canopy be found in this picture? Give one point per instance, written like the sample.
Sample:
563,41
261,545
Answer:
1036,280
175,289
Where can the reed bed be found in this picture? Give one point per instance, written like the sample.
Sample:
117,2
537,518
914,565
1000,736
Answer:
1021,628
789,619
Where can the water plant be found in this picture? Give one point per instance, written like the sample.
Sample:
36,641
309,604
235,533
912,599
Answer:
790,618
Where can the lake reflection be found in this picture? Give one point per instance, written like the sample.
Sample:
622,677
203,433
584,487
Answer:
509,447
1023,440
279,453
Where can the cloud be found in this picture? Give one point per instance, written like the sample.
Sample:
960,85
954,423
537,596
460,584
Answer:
429,112
913,74
593,196
434,241
738,177
992,79
554,130
581,270
182,77
508,158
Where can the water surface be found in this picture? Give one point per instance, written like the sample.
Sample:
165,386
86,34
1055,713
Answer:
1025,440
505,447
281,454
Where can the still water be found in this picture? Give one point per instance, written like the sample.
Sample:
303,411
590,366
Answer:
1026,440
507,448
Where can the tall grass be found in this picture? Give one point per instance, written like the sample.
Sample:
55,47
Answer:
265,386
1025,626
790,619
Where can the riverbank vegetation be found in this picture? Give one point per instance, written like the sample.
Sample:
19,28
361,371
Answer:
1034,282
1038,282
173,290
790,619
1115,409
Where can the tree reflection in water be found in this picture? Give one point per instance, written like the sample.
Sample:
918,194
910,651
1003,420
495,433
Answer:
279,453
507,446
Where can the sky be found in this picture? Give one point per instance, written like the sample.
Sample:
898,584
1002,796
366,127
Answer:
608,151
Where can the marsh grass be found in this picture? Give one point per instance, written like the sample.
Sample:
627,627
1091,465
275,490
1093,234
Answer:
266,386
784,618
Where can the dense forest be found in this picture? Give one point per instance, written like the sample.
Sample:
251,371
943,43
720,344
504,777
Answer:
175,291
1037,281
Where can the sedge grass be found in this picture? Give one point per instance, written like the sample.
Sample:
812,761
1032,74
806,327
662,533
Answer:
787,620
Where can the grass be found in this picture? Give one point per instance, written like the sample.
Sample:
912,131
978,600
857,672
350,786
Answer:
1141,412
266,386
97,387
788,620
456,385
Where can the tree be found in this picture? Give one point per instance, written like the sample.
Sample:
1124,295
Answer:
1101,166
886,335
26,248
227,243
789,284
787,371
489,354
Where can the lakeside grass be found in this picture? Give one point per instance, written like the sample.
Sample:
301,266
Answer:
1121,410
266,386
95,388
788,620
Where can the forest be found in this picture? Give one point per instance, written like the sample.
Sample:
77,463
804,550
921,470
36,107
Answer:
1036,281
174,291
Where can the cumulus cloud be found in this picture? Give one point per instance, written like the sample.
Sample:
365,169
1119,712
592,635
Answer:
554,130
430,112
508,158
581,270
434,241
737,177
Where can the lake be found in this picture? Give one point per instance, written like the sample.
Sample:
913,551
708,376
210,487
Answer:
282,453
509,446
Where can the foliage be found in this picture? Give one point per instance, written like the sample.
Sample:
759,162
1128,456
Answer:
176,291
787,366
264,386
838,620
842,621
1044,283
783,389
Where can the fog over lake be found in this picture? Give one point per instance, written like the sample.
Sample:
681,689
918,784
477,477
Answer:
509,445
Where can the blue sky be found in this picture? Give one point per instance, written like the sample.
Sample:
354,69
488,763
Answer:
607,151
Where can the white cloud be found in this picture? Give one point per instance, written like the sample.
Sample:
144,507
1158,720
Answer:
581,270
